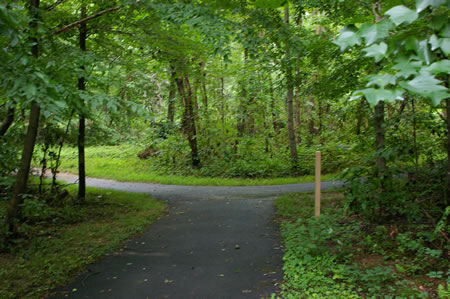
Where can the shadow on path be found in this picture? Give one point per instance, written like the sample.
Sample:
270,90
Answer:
215,242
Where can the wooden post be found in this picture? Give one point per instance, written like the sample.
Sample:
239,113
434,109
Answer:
317,186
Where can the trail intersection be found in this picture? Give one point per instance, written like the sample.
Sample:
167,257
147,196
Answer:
215,242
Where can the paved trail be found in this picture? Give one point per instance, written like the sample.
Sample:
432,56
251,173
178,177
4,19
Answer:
215,242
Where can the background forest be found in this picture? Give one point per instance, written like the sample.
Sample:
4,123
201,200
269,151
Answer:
232,89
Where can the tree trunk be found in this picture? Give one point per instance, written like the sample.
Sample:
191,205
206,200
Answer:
298,120
289,100
222,102
172,94
242,113
276,127
7,122
82,125
20,185
189,129
380,139
203,85
448,150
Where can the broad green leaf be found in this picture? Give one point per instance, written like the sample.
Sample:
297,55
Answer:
445,32
381,80
406,67
30,90
374,96
411,43
372,32
434,42
348,37
425,84
438,21
402,14
378,51
423,4
444,44
440,67
437,97
423,52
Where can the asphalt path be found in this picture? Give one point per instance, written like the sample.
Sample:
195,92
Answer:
215,242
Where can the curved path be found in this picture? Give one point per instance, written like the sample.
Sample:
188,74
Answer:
215,242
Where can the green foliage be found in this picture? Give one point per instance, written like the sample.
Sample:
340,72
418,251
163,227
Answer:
408,46
341,257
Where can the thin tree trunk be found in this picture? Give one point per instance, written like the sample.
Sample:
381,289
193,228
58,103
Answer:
242,113
20,185
82,125
380,138
222,102
7,122
58,156
276,127
448,150
298,121
203,84
189,129
172,94
289,100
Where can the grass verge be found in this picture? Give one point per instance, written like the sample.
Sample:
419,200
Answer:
58,242
342,257
121,163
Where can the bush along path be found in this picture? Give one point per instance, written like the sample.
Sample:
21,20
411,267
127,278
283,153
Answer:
215,242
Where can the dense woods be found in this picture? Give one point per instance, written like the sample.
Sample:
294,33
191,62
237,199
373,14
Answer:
234,88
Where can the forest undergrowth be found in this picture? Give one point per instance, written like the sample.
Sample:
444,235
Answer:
341,255
121,162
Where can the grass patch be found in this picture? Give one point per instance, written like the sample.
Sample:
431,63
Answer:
58,242
121,163
338,256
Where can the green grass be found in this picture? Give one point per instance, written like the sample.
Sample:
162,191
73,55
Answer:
51,254
120,163
338,256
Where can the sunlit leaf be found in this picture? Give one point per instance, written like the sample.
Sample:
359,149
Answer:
381,80
440,67
424,84
423,4
374,96
402,14
373,32
348,37
378,51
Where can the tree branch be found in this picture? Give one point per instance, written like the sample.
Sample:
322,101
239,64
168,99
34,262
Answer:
54,5
70,26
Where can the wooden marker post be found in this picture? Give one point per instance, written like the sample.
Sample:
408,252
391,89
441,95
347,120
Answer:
317,186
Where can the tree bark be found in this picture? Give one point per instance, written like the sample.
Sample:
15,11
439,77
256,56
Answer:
189,129
242,113
380,138
82,126
172,94
204,91
222,102
7,122
448,150
289,100
85,20
20,185
276,127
